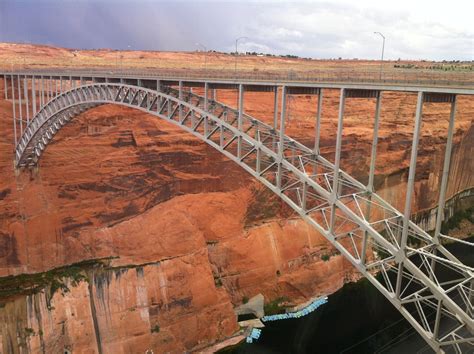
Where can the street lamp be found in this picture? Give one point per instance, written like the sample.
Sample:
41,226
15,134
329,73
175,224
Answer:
117,59
237,53
205,54
121,59
383,47
74,62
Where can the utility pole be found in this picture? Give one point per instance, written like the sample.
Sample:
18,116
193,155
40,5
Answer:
237,53
205,54
383,48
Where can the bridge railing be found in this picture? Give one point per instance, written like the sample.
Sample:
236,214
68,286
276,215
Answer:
334,75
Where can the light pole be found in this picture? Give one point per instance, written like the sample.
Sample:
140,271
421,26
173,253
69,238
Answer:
74,56
121,59
383,48
205,54
117,59
237,53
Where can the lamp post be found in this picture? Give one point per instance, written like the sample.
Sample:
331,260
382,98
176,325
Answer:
205,54
117,60
121,59
237,53
383,48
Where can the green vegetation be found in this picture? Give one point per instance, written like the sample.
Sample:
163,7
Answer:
245,299
217,281
325,257
53,280
155,329
446,66
275,307
454,221
29,332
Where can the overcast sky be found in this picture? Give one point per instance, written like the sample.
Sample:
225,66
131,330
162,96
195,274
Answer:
320,29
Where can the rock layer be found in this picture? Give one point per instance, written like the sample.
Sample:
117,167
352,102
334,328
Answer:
190,233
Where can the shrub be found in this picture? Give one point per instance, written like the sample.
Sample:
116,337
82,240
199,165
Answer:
155,329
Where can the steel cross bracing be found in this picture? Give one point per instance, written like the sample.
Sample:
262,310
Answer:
431,288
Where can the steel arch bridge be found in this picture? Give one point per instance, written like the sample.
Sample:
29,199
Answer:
431,288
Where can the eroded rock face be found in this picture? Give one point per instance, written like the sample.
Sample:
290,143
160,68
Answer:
172,305
190,233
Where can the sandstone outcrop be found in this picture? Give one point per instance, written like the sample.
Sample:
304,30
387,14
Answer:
186,233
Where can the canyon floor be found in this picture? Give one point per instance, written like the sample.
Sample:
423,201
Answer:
133,235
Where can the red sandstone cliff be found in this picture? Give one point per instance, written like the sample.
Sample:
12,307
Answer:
189,233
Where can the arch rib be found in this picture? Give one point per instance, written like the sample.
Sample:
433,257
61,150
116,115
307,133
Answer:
306,182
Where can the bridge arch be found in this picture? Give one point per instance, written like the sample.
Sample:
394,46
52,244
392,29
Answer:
360,224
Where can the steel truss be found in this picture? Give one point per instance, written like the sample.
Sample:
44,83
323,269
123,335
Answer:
432,289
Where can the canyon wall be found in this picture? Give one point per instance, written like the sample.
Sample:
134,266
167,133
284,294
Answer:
179,233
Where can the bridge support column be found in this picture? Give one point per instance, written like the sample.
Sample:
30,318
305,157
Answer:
373,155
48,89
180,95
33,95
275,109
206,99
20,108
27,105
337,161
42,92
239,119
5,85
281,146
471,293
444,178
158,89
410,184
317,132
373,158
14,111
60,84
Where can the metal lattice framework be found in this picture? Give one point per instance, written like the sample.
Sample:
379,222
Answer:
432,289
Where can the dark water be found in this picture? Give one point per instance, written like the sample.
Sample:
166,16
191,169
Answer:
356,319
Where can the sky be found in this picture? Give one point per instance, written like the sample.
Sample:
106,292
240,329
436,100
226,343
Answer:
414,29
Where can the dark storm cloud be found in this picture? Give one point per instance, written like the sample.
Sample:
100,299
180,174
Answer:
305,28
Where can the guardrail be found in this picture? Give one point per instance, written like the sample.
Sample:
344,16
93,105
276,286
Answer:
394,76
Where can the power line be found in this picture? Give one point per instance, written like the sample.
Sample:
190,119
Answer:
372,335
